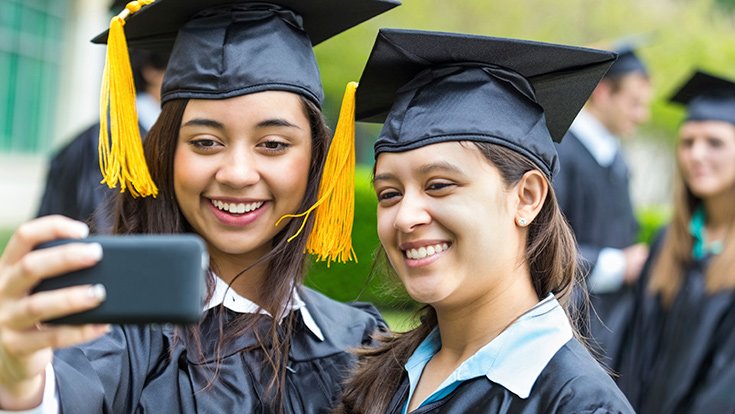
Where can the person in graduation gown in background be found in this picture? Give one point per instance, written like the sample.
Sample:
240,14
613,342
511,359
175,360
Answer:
469,223
680,356
593,192
240,144
73,182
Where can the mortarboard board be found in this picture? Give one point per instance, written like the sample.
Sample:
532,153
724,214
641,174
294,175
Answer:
222,49
431,87
707,97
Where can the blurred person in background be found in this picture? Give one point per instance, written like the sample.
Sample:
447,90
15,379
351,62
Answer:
593,192
680,354
73,183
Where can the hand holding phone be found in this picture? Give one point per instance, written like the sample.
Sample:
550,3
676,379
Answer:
148,279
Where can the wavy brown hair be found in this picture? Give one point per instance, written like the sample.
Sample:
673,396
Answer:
550,252
163,215
675,255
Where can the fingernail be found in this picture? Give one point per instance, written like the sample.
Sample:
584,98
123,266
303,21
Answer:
82,229
94,250
98,292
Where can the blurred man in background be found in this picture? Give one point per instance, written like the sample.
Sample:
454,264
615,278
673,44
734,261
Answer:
593,191
73,182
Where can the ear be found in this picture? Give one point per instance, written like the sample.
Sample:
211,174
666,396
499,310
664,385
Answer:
531,191
601,92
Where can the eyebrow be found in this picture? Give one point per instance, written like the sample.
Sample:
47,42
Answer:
205,123
425,169
276,122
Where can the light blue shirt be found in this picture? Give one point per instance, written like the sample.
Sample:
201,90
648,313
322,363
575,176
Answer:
514,359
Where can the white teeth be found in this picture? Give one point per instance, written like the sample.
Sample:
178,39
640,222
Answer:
424,252
237,208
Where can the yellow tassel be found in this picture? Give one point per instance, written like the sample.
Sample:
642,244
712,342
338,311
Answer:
331,239
121,155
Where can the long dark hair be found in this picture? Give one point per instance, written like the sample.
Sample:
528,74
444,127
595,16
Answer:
163,215
552,257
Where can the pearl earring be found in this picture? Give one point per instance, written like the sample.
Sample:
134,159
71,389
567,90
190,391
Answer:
522,222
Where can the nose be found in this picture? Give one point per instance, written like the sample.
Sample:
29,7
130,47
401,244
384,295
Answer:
239,169
412,213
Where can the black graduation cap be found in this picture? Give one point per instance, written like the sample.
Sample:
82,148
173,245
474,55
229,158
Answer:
627,62
707,97
226,48
431,87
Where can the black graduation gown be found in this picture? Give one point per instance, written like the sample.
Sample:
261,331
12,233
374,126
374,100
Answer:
129,369
572,382
681,360
596,203
73,186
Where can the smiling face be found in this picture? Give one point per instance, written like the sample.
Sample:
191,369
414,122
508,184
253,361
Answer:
447,222
623,105
706,155
240,164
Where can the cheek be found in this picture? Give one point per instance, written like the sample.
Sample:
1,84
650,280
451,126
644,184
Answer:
385,226
290,176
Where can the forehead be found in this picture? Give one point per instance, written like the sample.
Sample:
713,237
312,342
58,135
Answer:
720,129
635,82
261,104
462,157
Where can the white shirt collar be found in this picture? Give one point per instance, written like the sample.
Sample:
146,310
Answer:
233,301
600,142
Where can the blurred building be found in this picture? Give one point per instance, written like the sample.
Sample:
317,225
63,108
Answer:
49,90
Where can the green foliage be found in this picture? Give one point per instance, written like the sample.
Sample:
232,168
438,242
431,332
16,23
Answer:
652,219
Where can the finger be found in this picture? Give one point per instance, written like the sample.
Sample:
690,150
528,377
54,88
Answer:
49,262
41,230
52,304
21,344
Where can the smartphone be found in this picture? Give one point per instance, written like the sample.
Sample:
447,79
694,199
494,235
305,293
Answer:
148,278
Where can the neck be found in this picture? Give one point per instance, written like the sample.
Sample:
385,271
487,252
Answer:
599,116
466,328
247,284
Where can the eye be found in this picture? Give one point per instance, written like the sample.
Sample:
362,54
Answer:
204,144
273,145
439,186
714,142
388,196
686,143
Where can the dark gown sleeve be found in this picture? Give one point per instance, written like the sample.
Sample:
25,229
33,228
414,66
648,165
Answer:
107,375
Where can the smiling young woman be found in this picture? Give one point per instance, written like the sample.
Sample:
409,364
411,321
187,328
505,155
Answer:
240,144
678,355
469,223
